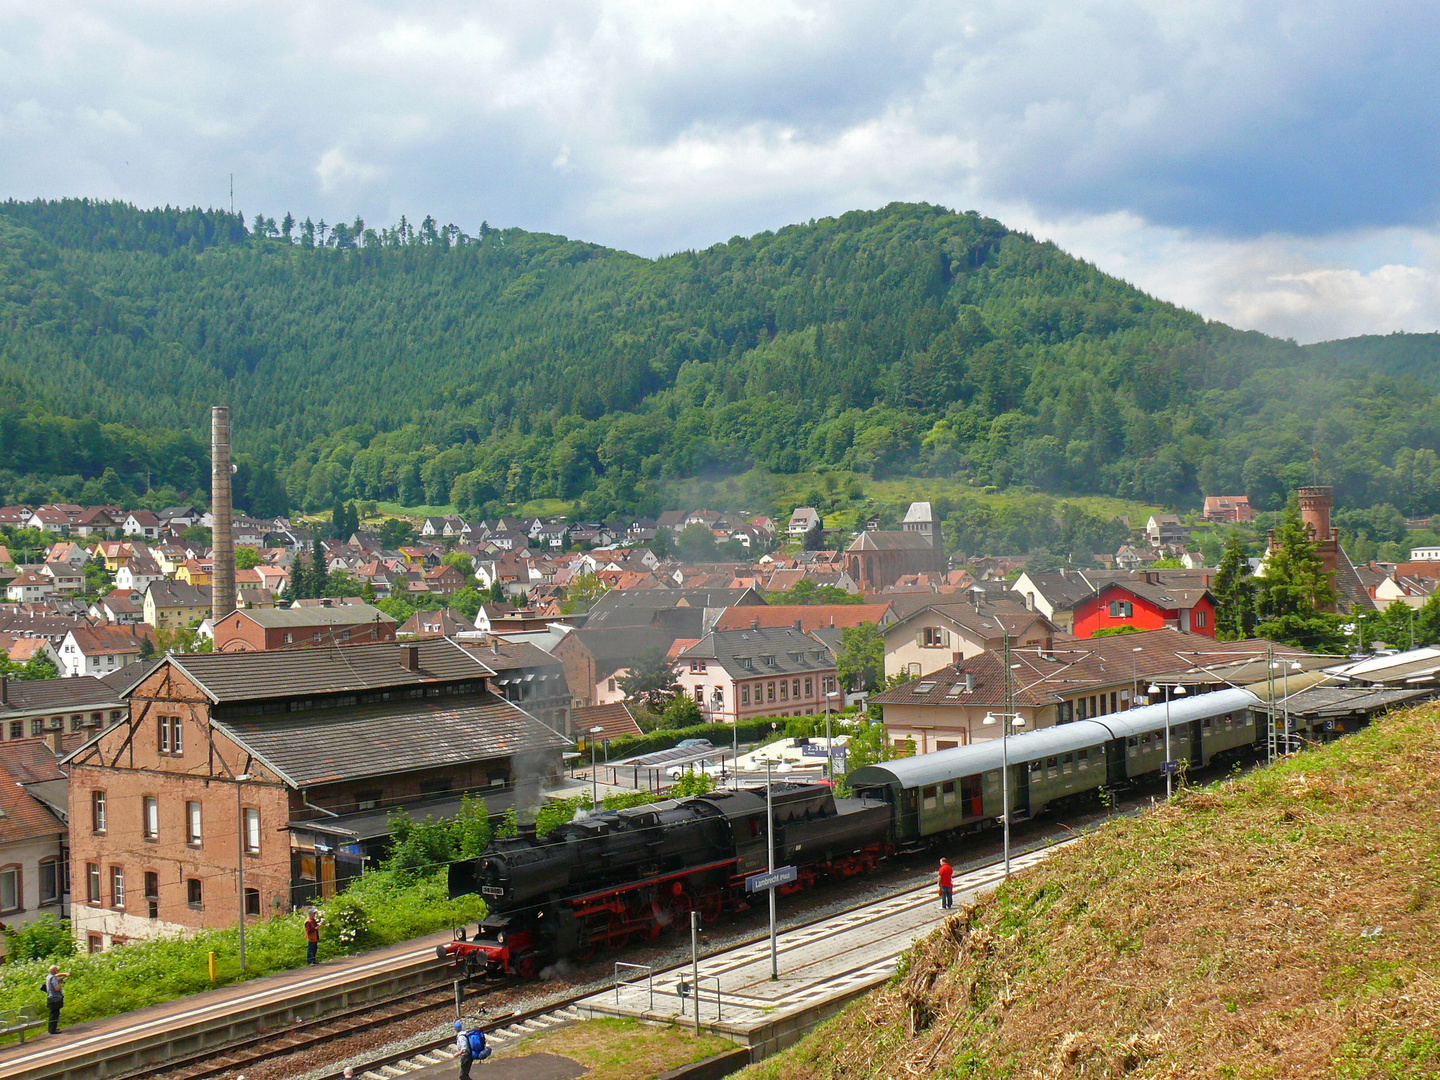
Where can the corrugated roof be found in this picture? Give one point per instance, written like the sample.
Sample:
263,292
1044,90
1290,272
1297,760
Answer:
293,672
332,745
340,615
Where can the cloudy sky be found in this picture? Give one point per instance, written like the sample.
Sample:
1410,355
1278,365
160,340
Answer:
1272,164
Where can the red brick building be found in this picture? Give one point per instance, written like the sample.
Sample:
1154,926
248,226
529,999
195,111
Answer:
1146,602
298,755
264,629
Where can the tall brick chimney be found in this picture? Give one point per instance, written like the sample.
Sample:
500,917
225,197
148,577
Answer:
222,588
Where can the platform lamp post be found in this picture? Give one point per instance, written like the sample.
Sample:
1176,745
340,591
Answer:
1169,764
240,861
1009,720
829,745
594,776
1285,670
770,865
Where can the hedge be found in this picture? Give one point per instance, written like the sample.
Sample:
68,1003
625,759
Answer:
756,729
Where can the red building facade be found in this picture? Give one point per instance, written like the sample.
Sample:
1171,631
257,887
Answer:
1146,607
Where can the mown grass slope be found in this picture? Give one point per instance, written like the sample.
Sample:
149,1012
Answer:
1278,925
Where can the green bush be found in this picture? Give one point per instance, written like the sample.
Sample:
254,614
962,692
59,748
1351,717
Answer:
43,939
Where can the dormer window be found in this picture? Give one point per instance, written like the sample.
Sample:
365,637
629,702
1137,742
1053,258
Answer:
770,660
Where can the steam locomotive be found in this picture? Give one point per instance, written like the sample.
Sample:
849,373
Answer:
614,876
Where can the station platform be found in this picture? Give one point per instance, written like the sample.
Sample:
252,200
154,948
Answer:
116,1044
822,967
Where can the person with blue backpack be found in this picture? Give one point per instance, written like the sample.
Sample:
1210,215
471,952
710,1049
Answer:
471,1047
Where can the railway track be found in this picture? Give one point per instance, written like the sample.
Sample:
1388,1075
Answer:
307,1034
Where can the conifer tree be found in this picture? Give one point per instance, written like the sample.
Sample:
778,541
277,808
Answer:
1294,591
1234,591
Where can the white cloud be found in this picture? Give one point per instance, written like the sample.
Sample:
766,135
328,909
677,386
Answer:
1269,164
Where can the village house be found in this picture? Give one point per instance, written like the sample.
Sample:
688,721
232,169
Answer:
49,708
1166,530
122,607
1147,600
66,578
170,605
138,574
28,587
141,523
1228,508
936,634
280,749
99,650
802,520
33,833
759,671
441,623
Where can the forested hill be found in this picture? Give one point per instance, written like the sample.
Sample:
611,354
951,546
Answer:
426,365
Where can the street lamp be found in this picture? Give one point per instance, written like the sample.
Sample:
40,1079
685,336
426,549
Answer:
594,776
240,862
829,746
1285,669
1169,764
1010,720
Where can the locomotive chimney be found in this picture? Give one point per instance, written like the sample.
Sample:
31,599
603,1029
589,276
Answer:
222,596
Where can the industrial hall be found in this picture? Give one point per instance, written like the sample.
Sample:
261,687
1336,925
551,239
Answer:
295,756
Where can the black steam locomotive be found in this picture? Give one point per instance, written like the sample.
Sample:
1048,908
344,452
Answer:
614,876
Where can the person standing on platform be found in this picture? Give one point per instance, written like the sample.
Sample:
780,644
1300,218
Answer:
312,937
947,876
462,1044
55,995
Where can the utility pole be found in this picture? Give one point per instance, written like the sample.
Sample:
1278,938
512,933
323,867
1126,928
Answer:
770,845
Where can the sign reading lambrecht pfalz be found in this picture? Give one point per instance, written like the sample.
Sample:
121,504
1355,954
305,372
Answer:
770,879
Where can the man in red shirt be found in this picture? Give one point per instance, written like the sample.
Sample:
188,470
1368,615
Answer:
946,876
312,937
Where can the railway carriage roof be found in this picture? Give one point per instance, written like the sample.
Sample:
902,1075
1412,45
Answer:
943,765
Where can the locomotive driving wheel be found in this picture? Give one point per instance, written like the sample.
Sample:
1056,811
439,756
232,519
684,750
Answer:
712,903
528,966
617,936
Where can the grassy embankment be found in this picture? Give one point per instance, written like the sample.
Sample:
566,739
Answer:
1279,925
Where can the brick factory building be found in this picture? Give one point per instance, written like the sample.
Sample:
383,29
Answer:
309,748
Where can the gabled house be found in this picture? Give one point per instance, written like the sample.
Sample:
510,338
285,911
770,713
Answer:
67,579
802,520
138,574
29,587
930,637
1147,601
444,580
141,523
99,650
772,671
67,551
121,607
1228,508
442,623
1166,530
170,605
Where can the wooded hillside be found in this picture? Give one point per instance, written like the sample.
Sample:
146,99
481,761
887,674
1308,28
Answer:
424,365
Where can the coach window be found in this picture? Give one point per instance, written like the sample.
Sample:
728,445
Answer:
928,795
1051,767
947,793
1036,768
1067,764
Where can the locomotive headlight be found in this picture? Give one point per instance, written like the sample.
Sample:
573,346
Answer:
500,938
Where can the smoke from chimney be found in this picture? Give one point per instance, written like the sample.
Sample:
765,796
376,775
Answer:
222,594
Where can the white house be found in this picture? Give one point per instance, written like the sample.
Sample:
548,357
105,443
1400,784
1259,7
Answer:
802,520
141,523
29,587
98,650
